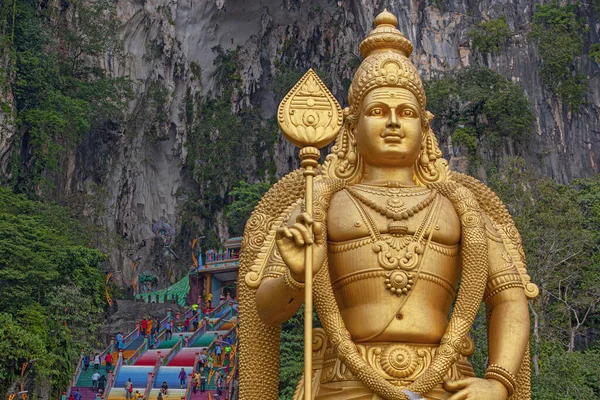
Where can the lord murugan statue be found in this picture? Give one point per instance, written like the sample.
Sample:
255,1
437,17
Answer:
393,233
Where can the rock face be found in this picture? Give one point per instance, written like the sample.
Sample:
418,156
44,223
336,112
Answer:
137,169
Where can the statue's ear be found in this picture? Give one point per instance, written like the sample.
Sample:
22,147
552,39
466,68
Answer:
430,167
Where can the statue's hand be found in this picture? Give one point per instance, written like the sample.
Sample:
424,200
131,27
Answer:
476,389
292,241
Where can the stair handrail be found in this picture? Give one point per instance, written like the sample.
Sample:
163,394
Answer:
188,391
111,382
134,334
152,376
218,308
188,388
138,353
174,350
197,333
76,375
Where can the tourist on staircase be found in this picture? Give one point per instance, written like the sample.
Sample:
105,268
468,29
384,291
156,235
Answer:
77,394
128,389
108,359
86,362
95,378
164,389
219,384
202,383
186,325
96,362
181,377
219,352
202,360
196,382
168,331
149,327
143,326
119,339
101,383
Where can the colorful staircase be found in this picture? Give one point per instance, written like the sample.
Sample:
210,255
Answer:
143,362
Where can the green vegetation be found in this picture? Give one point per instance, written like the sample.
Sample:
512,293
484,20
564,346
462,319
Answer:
595,52
479,105
222,143
560,227
291,353
559,34
58,94
245,198
489,36
51,290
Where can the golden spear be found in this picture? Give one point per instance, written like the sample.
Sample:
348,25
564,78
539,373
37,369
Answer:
309,117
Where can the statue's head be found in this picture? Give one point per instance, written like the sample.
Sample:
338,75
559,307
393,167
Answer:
386,122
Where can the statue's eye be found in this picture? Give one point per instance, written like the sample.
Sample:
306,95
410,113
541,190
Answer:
407,112
376,112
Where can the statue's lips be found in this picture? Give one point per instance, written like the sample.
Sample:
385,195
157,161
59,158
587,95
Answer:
392,137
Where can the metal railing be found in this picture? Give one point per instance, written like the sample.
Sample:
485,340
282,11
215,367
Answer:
138,353
151,376
76,375
112,377
188,390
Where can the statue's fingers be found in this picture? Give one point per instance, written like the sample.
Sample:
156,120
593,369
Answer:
457,385
304,218
297,237
306,235
283,232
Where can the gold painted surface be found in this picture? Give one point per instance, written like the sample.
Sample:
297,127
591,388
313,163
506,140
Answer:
393,231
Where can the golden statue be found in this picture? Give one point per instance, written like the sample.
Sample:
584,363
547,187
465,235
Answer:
392,232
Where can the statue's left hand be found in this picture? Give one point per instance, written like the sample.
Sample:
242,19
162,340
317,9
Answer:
476,389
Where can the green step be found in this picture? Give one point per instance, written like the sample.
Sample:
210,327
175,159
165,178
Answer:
85,379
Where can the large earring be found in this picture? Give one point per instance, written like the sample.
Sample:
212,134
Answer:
430,167
344,162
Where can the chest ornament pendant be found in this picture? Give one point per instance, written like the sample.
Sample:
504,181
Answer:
397,253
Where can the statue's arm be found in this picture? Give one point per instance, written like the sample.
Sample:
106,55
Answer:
505,297
281,291
276,301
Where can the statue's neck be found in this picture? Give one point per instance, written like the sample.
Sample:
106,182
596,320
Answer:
377,175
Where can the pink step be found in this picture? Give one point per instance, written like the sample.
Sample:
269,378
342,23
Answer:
185,357
150,357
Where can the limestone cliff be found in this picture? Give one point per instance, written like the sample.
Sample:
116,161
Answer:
141,170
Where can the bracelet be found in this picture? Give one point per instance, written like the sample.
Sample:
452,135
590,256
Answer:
291,282
503,376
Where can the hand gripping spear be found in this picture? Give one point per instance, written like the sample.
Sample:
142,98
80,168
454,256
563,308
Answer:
309,117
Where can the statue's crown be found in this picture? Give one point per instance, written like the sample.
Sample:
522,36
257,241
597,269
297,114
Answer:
386,51
386,36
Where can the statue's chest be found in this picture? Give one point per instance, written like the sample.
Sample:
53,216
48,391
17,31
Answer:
350,218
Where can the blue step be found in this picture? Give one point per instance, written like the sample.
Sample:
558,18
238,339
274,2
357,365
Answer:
138,375
171,376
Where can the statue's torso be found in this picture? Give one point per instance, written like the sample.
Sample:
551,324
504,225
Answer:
371,312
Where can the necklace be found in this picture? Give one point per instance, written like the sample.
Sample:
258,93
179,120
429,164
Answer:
391,191
395,209
399,255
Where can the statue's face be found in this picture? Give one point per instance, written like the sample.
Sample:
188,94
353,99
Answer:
389,132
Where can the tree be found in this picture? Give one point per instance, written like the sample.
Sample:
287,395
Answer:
245,197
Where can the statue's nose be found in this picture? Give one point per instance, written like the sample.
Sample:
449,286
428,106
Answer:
393,119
